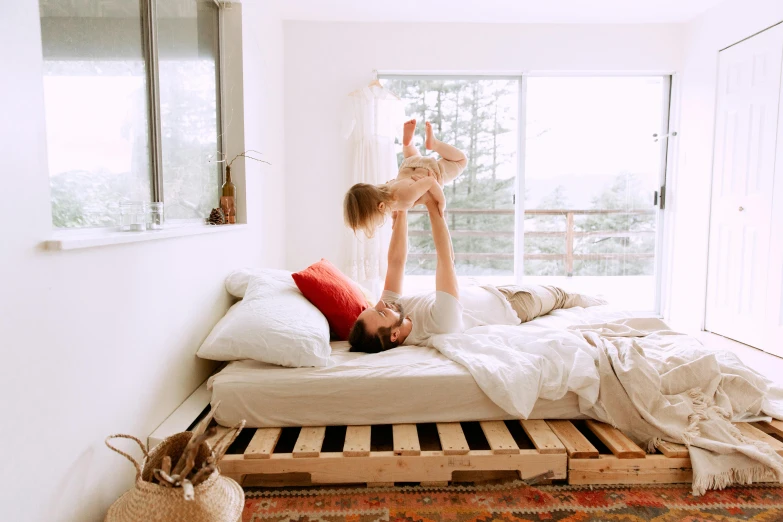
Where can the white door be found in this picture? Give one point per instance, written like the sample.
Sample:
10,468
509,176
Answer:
774,338
749,81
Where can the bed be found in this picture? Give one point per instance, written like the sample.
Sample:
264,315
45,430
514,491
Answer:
410,384
406,415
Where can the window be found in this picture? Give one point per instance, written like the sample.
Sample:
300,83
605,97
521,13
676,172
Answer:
132,99
580,210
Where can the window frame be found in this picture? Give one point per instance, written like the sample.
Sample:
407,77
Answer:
149,27
660,266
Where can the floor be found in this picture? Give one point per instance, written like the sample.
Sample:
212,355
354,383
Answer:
764,363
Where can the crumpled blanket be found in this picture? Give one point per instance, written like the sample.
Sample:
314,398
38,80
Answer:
636,374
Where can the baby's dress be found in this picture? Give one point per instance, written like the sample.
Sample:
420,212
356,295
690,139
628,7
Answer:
444,170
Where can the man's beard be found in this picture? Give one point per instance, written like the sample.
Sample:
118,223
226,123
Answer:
401,311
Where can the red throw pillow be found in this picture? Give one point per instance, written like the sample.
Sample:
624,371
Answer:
336,296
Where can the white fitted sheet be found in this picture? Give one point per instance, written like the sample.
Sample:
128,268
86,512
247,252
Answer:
409,384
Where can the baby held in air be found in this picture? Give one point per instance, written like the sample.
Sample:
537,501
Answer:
366,206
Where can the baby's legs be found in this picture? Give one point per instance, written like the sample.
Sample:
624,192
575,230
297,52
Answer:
408,150
452,160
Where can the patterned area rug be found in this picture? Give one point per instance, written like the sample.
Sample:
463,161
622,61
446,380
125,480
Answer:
515,502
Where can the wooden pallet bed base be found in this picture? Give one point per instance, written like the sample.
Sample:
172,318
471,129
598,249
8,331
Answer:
261,461
583,452
612,458
384,467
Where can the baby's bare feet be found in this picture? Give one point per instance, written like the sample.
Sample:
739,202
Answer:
430,141
408,128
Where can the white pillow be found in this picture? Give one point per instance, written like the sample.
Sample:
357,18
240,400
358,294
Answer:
274,323
236,281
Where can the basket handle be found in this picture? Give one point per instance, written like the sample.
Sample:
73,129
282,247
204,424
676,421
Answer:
133,461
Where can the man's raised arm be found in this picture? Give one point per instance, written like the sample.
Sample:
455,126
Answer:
398,253
445,273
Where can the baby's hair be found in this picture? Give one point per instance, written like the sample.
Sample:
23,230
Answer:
360,207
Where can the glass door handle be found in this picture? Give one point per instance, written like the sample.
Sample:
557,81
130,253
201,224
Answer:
657,138
659,198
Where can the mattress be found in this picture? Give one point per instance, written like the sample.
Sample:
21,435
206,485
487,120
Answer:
410,384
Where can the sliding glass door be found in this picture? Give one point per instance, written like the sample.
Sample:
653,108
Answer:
594,168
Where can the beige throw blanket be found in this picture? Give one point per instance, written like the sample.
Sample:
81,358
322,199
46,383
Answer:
633,373
658,385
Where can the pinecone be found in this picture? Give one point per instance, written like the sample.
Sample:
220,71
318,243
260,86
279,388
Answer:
216,217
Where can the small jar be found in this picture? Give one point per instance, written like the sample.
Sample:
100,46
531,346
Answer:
155,216
132,216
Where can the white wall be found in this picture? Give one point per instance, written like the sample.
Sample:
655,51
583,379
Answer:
689,190
102,341
326,61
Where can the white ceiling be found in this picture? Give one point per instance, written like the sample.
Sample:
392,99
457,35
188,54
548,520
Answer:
495,11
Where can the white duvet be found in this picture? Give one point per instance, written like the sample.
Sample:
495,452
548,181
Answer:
517,365
636,374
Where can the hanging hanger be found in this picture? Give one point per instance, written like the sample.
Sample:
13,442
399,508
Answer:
377,83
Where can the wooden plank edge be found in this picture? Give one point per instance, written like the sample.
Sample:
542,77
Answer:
570,436
618,443
545,447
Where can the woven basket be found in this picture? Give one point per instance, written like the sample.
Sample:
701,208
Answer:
217,499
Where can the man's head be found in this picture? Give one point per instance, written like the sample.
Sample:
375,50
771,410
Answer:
379,328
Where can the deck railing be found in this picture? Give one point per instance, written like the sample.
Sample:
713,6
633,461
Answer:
570,234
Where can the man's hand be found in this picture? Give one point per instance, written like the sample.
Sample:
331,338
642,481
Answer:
424,200
439,197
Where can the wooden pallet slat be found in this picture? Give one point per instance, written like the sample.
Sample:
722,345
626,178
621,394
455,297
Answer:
577,446
754,433
773,427
609,469
776,427
620,445
542,436
499,438
309,442
262,445
406,440
357,441
673,450
452,438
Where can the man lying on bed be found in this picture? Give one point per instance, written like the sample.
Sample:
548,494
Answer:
412,320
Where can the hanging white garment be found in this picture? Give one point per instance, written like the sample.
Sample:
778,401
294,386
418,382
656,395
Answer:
375,118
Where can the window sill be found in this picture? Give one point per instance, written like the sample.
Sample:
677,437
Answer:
77,239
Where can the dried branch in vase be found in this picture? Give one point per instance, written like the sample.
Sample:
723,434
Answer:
249,154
